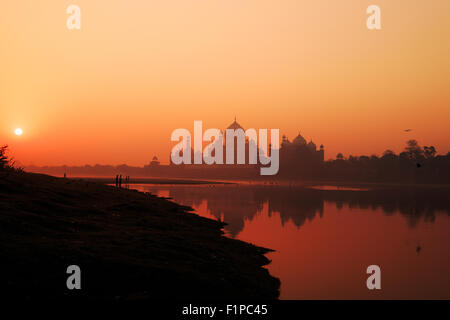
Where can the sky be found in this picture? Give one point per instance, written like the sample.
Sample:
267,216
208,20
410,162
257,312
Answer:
113,91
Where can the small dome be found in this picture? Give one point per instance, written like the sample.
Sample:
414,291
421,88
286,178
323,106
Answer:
285,140
312,145
155,158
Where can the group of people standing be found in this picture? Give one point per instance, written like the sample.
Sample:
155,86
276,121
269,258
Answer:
119,179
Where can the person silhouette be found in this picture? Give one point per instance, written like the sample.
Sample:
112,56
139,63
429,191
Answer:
120,181
117,180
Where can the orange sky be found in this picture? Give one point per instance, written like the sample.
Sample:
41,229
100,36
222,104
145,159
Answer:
114,91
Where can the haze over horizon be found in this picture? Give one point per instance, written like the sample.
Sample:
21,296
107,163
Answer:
112,92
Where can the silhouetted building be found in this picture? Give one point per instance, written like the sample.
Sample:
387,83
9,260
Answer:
300,157
248,144
154,162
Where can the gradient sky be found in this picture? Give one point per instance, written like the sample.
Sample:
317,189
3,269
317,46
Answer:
114,91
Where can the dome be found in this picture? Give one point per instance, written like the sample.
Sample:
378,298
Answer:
154,161
312,145
235,125
299,140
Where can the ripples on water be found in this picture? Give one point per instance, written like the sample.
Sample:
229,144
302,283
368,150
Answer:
325,237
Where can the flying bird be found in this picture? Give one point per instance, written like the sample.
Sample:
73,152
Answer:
407,130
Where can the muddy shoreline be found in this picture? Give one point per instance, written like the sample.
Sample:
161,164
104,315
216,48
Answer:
128,244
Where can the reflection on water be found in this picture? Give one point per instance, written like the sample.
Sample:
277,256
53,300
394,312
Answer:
325,239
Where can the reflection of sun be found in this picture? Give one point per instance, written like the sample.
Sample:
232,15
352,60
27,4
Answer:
18,132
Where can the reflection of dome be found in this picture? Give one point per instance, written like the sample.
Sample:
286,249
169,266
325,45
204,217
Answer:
235,126
299,140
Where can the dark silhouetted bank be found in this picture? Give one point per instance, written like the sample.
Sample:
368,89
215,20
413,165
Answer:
128,244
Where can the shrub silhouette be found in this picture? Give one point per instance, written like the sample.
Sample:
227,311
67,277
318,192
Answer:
4,162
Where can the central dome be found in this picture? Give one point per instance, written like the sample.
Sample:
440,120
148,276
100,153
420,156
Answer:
299,140
235,125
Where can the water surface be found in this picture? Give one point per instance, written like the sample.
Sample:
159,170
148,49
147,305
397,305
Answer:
325,239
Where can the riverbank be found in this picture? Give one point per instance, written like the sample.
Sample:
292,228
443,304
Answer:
128,244
143,180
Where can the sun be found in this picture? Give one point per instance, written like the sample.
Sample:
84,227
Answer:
18,132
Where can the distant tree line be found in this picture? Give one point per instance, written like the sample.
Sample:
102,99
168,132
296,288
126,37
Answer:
413,165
